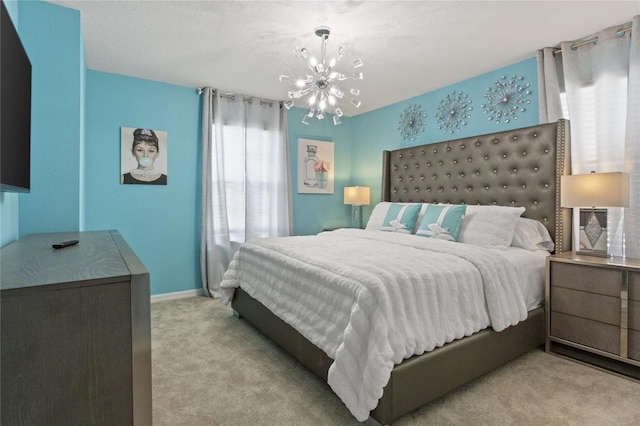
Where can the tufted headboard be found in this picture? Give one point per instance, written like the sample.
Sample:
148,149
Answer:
519,167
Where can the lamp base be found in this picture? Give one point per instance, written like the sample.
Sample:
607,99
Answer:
593,233
356,217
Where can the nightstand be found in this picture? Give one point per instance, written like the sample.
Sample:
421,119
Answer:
593,311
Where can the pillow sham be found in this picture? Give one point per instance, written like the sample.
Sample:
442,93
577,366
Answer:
532,235
489,226
442,221
401,218
379,213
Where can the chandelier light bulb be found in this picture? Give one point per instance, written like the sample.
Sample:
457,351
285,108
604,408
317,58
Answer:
318,86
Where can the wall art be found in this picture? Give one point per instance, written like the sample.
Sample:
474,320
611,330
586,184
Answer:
506,99
143,156
412,122
315,167
453,111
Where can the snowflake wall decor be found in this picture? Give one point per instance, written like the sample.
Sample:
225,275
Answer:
506,99
412,121
453,111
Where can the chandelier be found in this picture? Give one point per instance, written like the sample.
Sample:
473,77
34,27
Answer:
319,86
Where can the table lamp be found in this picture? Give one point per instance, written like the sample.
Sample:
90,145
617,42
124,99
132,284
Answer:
357,196
587,192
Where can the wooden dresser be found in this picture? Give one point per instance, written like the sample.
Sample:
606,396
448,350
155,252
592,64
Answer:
593,311
75,332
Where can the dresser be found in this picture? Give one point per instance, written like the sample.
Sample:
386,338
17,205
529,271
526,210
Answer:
75,332
593,311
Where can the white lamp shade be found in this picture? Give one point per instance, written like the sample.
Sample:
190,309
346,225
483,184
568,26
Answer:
357,195
595,190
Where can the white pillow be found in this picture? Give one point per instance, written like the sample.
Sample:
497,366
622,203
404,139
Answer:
489,226
532,235
379,213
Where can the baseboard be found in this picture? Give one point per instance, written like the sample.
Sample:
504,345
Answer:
176,295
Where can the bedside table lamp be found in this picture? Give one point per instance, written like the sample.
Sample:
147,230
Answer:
357,196
589,191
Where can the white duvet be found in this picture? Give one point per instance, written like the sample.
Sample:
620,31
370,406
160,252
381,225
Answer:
370,299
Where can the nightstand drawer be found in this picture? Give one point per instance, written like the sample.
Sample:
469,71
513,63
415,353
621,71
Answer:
586,278
634,286
634,315
634,345
586,332
586,305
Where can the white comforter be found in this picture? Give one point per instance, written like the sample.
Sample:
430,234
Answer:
370,299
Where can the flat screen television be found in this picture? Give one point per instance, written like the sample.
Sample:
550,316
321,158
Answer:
15,109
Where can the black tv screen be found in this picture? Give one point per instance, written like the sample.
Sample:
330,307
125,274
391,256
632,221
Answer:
15,109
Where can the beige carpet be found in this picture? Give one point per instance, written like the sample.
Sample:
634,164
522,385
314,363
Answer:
210,368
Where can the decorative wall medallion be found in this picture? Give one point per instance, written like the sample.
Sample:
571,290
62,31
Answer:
453,111
412,122
506,99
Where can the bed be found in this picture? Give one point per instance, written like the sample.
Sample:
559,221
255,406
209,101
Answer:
516,168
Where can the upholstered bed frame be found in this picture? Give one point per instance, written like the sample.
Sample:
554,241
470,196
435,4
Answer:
514,168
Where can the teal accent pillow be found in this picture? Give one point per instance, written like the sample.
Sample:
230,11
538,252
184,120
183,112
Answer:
442,222
401,218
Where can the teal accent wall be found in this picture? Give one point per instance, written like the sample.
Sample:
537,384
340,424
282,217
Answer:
312,213
52,38
377,130
160,223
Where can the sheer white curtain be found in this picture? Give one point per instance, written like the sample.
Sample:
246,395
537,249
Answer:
245,178
600,84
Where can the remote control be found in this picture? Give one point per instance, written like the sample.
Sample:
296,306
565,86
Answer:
65,244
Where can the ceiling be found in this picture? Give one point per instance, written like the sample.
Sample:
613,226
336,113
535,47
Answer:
408,47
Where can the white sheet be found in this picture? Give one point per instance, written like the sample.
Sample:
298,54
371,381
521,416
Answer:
370,299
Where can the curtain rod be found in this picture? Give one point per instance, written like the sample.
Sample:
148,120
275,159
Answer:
594,40
200,91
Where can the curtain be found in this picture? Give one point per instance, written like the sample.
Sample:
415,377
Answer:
246,190
600,82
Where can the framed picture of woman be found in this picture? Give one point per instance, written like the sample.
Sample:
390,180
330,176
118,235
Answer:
143,156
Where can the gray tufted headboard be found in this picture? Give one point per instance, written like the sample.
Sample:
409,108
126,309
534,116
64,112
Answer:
519,167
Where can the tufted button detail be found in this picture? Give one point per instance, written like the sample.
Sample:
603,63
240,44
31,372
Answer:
417,189
448,149
524,186
448,175
470,189
477,143
405,166
515,170
455,161
441,189
428,164
524,153
395,190
515,138
493,203
399,177
429,189
504,186
495,141
461,146
477,173
435,177
411,154
535,168
421,152
535,135
441,163
546,185
535,202
455,189
435,150
416,165
421,177
545,219
546,150
399,155
405,190
504,155
495,170
410,177
461,174
469,159
395,167
486,187
513,202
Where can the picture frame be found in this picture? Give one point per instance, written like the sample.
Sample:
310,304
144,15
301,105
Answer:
315,167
